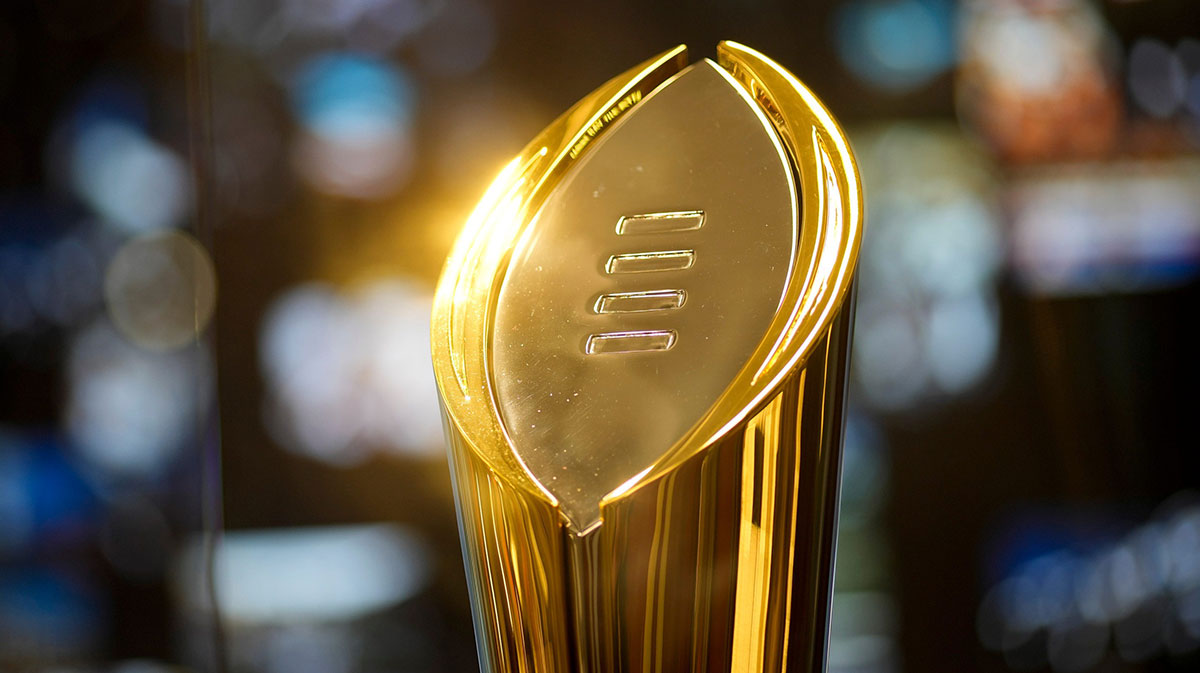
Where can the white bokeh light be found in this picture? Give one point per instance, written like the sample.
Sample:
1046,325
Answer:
351,373
131,411
130,180
928,320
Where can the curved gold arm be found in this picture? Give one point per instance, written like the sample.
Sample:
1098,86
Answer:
466,293
830,234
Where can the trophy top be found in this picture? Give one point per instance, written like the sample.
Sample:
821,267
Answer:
642,277
642,285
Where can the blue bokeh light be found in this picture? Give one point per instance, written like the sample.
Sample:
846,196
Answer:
896,45
345,96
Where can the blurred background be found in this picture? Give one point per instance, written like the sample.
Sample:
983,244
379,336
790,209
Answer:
221,222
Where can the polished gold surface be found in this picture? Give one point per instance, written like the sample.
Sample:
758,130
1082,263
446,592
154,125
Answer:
682,329
700,149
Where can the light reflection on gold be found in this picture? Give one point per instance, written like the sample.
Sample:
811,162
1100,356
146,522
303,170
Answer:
718,555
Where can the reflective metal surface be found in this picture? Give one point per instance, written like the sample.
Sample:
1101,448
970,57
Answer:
694,167
682,517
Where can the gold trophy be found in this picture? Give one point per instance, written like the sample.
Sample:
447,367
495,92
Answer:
641,341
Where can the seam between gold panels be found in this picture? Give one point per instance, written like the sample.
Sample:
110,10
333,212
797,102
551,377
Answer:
755,538
705,562
766,523
514,598
744,631
480,552
663,568
542,544
791,538
746,628
498,589
653,566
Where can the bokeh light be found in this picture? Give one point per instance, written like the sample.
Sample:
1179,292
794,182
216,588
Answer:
896,45
350,373
357,114
64,280
307,575
48,610
45,502
1157,79
1067,608
161,290
1038,80
131,411
927,320
1117,228
49,277
133,182
268,28
1189,55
